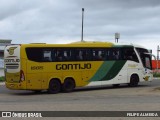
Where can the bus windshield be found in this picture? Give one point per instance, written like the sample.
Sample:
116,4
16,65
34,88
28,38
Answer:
145,58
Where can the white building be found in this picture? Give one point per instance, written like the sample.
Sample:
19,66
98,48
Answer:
3,43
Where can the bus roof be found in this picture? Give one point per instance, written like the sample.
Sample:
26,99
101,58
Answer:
129,44
74,44
84,44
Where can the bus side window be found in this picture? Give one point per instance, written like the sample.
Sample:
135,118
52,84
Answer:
106,54
129,54
135,58
67,55
53,55
114,54
34,54
102,55
95,55
84,55
47,55
79,55
98,54
59,56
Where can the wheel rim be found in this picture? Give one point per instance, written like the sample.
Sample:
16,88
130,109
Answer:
68,85
134,81
54,87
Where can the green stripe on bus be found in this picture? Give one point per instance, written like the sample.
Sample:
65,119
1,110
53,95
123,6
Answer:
117,66
108,70
101,73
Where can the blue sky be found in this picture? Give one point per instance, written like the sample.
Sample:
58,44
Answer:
59,21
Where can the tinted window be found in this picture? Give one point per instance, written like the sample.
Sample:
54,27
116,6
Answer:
129,54
98,54
114,54
145,58
64,55
80,54
148,62
34,54
47,55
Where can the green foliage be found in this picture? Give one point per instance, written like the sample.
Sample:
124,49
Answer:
156,74
2,79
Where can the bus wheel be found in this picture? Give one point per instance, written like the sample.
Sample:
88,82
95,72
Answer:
54,86
68,85
134,81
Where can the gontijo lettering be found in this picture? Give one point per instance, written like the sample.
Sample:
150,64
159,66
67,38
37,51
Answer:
73,66
12,60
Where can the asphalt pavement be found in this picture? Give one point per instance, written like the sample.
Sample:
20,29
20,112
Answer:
145,97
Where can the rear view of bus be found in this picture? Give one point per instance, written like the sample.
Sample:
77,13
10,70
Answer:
12,65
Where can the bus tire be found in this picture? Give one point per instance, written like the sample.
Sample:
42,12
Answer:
134,81
68,85
54,86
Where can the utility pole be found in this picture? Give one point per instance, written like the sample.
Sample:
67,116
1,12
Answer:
82,24
158,50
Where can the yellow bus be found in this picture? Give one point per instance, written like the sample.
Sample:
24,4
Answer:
64,67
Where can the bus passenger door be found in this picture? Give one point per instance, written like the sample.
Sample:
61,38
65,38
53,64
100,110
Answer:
121,77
